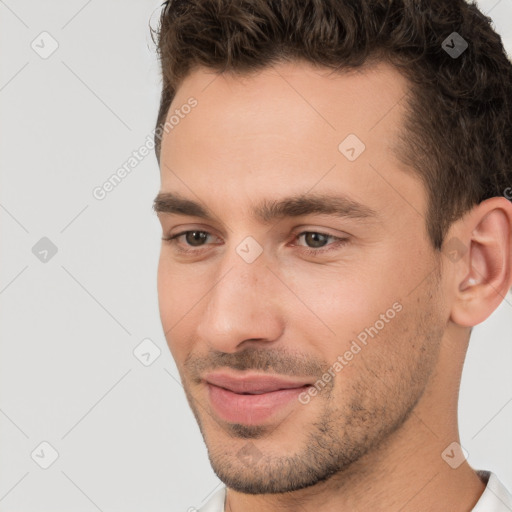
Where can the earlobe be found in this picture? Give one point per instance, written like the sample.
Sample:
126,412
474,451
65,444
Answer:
485,275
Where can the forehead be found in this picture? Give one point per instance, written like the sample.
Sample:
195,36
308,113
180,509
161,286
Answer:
288,127
345,99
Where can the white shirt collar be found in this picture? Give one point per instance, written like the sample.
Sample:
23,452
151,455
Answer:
495,498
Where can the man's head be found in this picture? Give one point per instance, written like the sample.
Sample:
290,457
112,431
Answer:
338,173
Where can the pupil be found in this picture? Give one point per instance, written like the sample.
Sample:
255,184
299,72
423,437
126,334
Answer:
315,238
193,237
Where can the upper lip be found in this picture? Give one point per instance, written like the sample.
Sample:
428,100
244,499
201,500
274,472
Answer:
252,383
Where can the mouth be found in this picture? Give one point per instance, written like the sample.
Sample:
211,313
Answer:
253,384
252,399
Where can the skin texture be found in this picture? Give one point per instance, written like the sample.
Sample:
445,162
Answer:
373,438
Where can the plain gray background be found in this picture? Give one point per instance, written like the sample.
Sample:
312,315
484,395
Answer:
125,437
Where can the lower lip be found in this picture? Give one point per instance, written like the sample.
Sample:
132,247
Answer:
250,409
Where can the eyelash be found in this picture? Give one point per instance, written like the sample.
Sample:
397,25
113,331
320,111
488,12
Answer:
172,240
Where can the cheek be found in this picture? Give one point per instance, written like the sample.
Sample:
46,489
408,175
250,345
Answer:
178,289
165,292
176,294
344,301
353,316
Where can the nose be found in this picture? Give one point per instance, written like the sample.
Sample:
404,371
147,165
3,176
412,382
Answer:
242,308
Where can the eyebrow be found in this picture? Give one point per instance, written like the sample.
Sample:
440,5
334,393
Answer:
270,210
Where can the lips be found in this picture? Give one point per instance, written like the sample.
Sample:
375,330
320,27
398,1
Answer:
252,385
252,399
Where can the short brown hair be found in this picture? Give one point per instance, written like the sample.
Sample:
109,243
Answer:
457,133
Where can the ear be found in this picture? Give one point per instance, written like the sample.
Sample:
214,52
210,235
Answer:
483,275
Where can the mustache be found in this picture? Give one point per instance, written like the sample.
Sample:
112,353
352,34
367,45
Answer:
274,360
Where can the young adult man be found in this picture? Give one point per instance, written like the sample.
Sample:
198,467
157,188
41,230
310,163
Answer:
335,223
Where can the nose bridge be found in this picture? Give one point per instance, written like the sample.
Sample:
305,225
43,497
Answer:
241,304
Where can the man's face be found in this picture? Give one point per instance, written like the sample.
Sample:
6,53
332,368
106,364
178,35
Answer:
344,307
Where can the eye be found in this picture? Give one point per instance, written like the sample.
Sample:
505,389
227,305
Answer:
193,238
319,241
196,239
